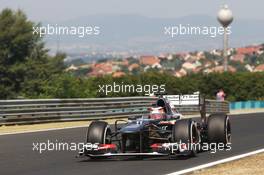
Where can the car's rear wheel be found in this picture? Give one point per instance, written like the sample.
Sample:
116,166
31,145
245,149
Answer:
185,131
219,129
99,132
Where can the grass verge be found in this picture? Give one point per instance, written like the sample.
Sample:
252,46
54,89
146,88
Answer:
248,165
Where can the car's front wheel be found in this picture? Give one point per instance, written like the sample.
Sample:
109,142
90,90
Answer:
99,132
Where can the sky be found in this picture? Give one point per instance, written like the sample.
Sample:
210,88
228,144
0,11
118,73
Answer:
62,10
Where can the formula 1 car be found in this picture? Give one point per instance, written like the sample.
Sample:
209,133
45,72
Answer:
163,132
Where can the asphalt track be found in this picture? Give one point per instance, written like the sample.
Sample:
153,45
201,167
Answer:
17,157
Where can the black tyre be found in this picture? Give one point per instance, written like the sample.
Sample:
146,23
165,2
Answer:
185,131
219,129
99,132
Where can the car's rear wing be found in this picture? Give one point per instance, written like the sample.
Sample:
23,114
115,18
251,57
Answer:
183,100
196,103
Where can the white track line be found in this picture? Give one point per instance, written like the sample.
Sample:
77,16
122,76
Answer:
217,162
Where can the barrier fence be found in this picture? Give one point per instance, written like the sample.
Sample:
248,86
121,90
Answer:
246,105
55,110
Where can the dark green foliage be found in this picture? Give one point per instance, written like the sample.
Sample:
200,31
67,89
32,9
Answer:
81,72
237,86
25,66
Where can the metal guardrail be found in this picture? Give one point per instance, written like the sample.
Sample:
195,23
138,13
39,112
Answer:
56,110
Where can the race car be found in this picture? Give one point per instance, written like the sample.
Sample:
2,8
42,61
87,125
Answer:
163,132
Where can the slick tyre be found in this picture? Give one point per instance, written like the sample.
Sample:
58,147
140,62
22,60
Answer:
99,132
185,131
219,129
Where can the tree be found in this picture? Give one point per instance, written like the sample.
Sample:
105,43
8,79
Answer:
41,70
16,44
68,86
24,62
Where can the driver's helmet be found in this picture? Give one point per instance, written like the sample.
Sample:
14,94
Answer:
157,113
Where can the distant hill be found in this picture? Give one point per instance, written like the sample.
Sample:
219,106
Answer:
146,35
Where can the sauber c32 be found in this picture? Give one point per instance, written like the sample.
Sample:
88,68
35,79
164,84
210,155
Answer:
163,132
